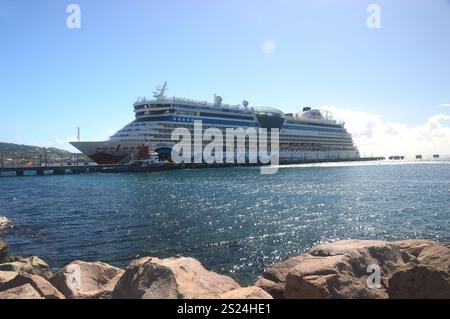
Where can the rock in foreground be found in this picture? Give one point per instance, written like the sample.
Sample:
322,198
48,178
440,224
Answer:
341,270
31,265
21,292
3,251
246,293
171,278
3,222
407,269
81,279
420,282
40,284
6,276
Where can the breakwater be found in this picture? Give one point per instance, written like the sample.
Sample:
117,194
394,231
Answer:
352,269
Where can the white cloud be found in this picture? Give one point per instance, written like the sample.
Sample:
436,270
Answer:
268,47
374,135
444,105
14,129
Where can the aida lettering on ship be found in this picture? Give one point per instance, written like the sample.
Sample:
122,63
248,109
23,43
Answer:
310,134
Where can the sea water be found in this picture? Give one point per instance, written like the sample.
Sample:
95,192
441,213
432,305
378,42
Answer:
233,220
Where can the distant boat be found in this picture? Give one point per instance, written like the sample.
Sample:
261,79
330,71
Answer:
396,157
436,156
418,157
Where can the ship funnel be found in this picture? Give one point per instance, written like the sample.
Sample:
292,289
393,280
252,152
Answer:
217,100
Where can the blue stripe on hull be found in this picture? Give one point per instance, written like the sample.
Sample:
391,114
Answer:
182,119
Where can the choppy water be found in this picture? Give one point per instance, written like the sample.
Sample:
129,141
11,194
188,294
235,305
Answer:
234,220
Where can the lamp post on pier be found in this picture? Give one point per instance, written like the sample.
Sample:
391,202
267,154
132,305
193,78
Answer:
45,156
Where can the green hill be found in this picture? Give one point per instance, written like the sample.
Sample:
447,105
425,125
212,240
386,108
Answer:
15,154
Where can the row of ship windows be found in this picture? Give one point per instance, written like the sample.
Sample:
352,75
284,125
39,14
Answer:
145,106
312,128
217,108
127,129
113,148
161,112
190,120
171,106
197,107
291,127
216,115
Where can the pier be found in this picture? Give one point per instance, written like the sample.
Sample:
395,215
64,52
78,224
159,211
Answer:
125,168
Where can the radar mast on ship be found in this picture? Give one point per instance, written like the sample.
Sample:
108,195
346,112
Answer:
160,92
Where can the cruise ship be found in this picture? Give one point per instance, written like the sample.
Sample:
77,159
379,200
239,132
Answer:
310,134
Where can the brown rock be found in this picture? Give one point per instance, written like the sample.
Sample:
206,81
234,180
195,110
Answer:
40,284
436,255
329,277
183,278
81,279
31,265
22,292
339,270
6,276
3,222
427,252
278,272
3,250
274,278
413,246
275,289
107,290
246,293
421,282
373,250
335,270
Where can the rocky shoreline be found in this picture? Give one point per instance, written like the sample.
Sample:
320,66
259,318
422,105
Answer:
3,222
343,269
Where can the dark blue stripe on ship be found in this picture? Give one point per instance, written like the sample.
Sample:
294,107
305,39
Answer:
181,119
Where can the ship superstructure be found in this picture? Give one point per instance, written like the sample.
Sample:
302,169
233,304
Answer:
309,134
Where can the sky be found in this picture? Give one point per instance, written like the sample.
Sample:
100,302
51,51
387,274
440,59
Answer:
390,84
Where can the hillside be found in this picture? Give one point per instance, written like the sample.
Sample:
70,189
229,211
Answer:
15,154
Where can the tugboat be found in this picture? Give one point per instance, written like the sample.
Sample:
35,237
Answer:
146,157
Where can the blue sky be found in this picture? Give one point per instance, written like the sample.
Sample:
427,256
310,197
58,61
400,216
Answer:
320,53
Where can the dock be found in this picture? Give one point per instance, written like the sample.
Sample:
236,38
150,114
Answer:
125,168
